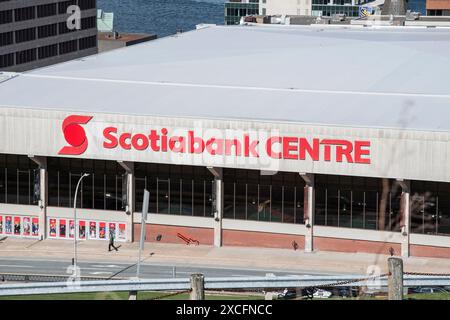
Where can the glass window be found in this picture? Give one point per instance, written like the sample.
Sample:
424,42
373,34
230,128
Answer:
265,204
228,200
250,195
163,199
430,207
289,204
175,196
199,199
240,201
17,180
102,189
277,204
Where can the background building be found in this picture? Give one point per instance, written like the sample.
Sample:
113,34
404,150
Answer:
417,6
236,9
438,7
285,7
35,33
105,21
114,40
330,7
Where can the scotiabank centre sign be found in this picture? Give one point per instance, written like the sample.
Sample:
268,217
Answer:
209,143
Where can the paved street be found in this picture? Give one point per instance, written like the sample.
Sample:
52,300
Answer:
101,269
54,256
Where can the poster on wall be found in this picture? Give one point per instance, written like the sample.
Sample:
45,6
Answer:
71,229
62,228
26,226
102,230
92,230
35,227
17,226
82,229
52,228
1,224
8,225
122,235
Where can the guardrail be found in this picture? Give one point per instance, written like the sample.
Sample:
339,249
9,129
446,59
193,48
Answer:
17,277
212,283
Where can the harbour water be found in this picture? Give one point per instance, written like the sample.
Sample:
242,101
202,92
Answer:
163,17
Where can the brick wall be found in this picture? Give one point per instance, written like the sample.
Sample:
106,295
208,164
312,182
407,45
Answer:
438,4
430,252
205,236
261,239
169,234
348,245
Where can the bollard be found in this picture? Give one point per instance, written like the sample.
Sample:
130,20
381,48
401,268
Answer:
132,295
269,296
395,279
197,287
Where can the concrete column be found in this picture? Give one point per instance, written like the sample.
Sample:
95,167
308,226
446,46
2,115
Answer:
218,204
308,210
43,194
130,205
197,287
405,216
395,279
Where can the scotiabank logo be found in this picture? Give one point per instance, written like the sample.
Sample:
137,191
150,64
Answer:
75,135
274,146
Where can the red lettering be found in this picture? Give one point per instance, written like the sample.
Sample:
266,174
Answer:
154,138
177,140
288,147
250,147
192,141
360,152
107,133
139,142
214,146
123,141
164,140
345,149
269,144
313,151
233,143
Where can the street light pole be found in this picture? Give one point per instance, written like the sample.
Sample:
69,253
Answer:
75,224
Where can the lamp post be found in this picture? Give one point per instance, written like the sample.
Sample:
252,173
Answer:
75,224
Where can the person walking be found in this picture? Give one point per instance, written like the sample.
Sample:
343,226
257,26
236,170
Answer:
111,240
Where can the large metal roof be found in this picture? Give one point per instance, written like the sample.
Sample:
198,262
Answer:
390,77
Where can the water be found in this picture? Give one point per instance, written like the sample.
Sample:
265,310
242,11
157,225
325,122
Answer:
163,17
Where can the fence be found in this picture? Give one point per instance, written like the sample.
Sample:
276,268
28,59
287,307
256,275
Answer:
395,280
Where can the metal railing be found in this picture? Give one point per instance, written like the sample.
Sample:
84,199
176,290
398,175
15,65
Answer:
184,284
26,277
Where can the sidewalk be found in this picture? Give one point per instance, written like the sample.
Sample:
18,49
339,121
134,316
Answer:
227,257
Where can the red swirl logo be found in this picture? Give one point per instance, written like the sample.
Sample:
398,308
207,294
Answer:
74,135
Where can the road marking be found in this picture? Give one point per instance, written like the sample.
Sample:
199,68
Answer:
100,272
16,265
105,266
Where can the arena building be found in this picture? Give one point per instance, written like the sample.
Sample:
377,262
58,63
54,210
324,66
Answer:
317,138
